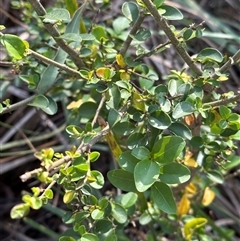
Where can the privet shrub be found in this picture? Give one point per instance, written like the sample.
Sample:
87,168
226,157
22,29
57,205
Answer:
171,142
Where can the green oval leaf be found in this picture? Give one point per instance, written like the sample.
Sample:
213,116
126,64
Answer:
97,214
99,179
120,24
146,173
159,120
88,109
40,101
193,224
14,45
130,11
141,153
182,109
129,199
215,176
142,35
174,173
57,14
123,128
127,161
68,196
168,148
52,107
119,213
89,237
171,13
19,211
180,129
162,196
103,226
122,179
94,155
210,54
48,194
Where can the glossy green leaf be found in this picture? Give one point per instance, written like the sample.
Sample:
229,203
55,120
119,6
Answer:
159,120
52,107
131,11
113,117
119,213
171,13
129,199
141,153
48,194
193,224
123,128
94,155
68,196
103,226
182,109
89,237
174,173
187,34
158,3
168,148
57,14
40,101
74,130
111,237
197,142
136,139
120,24
210,54
81,216
19,211
162,196
224,112
99,33
142,35
97,214
146,173
215,176
85,52
145,218
88,109
172,87
127,161
66,238
99,179
181,130
35,203
122,179
14,45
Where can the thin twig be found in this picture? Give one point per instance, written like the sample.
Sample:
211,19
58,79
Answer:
153,51
223,101
175,42
83,147
53,31
17,105
98,109
72,72
134,29
232,60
